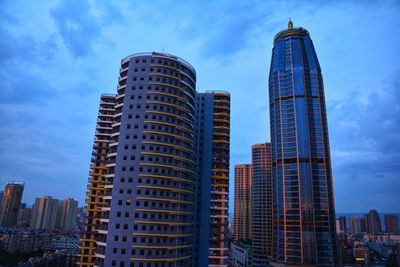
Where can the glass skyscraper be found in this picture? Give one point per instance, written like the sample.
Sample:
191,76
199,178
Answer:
303,206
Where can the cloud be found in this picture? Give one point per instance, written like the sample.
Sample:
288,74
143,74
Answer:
56,58
23,68
80,24
227,29
77,27
360,123
365,142
235,31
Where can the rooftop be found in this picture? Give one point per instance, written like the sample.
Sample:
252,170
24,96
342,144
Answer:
180,60
290,31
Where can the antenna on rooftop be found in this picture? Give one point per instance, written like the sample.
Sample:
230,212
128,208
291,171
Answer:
290,24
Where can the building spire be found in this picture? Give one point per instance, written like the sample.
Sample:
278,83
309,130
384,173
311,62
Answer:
290,24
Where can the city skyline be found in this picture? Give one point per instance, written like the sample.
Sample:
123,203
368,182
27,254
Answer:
50,108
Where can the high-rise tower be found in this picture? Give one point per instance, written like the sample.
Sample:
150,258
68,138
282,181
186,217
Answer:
141,192
44,213
355,226
373,222
261,204
98,194
303,206
67,213
212,132
242,211
392,223
10,204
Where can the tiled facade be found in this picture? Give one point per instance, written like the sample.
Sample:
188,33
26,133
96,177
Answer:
141,199
243,193
10,204
212,179
98,195
262,204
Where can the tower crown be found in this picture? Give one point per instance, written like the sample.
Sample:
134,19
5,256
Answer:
290,31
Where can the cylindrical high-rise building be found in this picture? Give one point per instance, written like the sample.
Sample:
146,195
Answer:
303,205
141,201
151,157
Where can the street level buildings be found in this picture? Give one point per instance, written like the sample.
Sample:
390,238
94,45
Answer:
158,187
23,240
392,223
242,211
304,230
24,217
10,204
261,204
240,254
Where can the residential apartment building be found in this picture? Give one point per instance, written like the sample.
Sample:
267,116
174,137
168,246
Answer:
147,160
243,202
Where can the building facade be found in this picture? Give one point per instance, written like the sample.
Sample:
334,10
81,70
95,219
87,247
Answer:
67,214
355,225
10,204
44,213
240,254
373,222
24,217
392,223
243,203
98,194
141,199
341,225
23,240
212,132
303,205
261,204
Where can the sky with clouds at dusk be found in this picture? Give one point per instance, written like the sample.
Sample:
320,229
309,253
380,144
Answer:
57,57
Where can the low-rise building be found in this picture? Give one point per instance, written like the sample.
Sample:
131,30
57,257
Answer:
24,217
361,253
383,239
67,243
240,254
23,240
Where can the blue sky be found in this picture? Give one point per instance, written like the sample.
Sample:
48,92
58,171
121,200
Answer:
57,57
